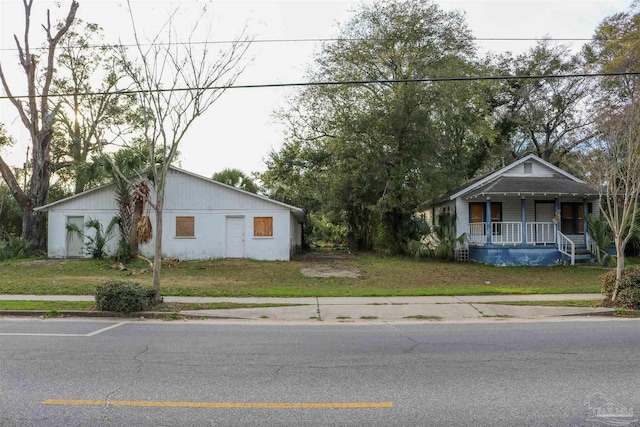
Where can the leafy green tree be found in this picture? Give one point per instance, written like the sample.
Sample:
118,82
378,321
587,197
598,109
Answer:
549,117
90,116
615,48
371,153
235,178
10,215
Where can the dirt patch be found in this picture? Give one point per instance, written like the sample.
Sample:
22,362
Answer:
325,266
50,261
331,271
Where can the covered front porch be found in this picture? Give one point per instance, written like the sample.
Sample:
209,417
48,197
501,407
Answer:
528,230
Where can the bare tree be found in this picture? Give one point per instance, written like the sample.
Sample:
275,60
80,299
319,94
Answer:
615,170
37,115
176,82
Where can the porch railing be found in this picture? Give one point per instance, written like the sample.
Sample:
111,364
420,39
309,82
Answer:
478,233
567,246
541,233
506,233
510,233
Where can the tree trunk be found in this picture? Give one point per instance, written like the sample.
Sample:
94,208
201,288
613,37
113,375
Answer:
619,266
34,230
33,224
137,214
157,257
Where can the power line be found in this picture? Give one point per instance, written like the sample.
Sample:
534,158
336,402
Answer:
337,83
317,40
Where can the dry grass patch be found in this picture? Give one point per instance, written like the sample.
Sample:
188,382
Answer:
379,276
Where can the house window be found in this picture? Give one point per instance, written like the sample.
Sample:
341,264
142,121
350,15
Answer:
263,226
185,226
478,212
528,168
572,217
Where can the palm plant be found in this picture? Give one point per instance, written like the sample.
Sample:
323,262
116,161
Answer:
120,167
600,232
440,241
96,242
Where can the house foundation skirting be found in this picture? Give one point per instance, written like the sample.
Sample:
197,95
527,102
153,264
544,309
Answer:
516,255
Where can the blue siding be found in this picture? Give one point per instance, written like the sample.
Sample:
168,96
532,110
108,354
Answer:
499,255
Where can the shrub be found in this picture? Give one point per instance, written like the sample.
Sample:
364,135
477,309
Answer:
628,290
123,297
13,247
439,241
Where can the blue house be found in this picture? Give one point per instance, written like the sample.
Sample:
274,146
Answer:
527,213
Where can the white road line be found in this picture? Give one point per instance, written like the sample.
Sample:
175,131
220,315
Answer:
18,334
99,331
90,334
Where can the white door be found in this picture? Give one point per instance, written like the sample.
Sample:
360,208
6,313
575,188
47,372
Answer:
235,237
545,233
75,243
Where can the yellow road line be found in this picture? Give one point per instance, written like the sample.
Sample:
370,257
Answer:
217,405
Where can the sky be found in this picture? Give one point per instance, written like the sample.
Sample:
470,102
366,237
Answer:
240,130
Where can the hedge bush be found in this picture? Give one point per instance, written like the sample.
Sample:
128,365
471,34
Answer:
123,297
629,288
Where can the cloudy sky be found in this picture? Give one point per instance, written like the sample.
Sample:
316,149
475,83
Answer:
239,130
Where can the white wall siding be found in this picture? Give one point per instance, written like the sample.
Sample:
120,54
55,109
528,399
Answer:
57,235
188,192
462,213
537,169
511,210
57,231
95,200
208,202
209,241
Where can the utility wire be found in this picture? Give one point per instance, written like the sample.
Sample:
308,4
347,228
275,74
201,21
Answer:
337,83
316,40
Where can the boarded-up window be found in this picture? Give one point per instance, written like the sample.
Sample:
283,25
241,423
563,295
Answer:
263,226
185,226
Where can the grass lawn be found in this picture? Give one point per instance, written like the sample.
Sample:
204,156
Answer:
379,276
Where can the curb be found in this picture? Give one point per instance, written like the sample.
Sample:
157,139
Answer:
90,314
611,313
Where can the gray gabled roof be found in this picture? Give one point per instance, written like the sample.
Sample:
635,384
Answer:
518,185
563,183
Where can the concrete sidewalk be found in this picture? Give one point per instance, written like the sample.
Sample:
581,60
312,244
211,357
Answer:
367,309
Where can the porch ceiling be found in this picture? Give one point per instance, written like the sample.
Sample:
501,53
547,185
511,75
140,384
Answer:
535,186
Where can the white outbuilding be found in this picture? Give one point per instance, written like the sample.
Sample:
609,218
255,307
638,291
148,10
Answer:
202,219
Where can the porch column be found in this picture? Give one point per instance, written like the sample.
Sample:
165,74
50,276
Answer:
523,214
584,220
556,208
489,228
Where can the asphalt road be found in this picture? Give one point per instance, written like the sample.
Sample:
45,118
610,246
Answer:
63,373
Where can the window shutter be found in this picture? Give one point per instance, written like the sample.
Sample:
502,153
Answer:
185,226
263,226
